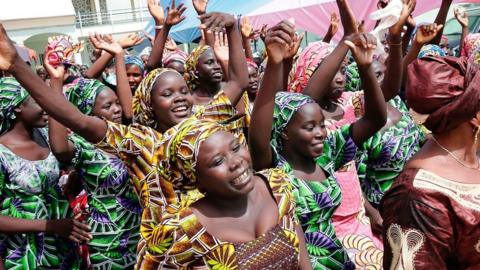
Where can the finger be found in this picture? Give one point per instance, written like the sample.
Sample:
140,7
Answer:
173,4
73,239
276,39
350,45
182,10
284,36
300,38
81,237
363,41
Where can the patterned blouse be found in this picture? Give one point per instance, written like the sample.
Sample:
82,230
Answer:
29,190
317,201
435,224
139,148
188,245
113,211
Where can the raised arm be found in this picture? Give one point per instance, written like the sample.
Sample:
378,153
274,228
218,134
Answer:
441,19
247,32
158,15
174,17
237,64
375,117
288,62
407,36
332,29
462,18
319,83
278,40
54,103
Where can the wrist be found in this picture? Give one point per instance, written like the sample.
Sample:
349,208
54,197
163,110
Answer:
17,62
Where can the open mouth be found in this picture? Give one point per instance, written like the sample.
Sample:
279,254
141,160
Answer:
242,180
217,75
181,111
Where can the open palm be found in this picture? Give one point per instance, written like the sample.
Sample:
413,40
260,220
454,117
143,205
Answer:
156,10
174,15
200,6
106,43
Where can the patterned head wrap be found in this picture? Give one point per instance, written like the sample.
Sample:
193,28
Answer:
177,55
286,105
353,82
446,89
431,50
306,64
142,103
134,60
251,64
12,94
181,150
64,48
191,66
470,44
83,94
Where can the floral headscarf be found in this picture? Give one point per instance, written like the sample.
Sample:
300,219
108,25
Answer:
12,94
306,64
470,44
64,48
353,78
286,105
134,60
181,149
83,94
191,66
142,104
177,55
431,50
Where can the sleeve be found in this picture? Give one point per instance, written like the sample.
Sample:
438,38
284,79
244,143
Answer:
81,149
417,228
219,109
338,149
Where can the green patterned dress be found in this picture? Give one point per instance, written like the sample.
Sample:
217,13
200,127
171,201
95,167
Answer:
317,201
29,190
113,211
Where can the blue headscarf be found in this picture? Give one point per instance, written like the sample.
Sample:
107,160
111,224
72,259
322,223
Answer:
431,50
134,60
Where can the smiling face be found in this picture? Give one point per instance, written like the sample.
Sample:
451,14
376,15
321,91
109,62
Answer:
171,100
108,106
208,68
135,76
31,114
252,81
306,131
224,166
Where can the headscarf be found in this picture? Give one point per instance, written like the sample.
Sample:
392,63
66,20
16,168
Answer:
64,48
445,88
12,94
431,50
470,44
83,94
286,105
307,63
191,66
177,55
181,149
353,78
252,64
134,60
142,104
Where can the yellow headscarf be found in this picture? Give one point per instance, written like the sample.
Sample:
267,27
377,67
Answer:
191,66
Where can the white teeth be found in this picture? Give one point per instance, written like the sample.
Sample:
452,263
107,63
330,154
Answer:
242,179
180,109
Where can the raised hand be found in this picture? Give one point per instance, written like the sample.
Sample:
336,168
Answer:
246,27
462,17
263,32
200,6
279,41
363,47
106,43
220,47
57,73
297,42
216,21
131,40
156,10
8,53
411,22
334,21
427,33
174,14
408,8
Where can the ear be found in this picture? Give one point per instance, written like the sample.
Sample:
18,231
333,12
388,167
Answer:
475,121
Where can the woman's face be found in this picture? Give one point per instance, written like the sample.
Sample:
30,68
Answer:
31,114
108,106
178,66
252,81
208,69
306,131
171,100
224,166
135,76
337,86
379,70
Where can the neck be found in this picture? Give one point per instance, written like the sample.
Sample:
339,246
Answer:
251,97
461,145
232,207
21,132
208,89
299,162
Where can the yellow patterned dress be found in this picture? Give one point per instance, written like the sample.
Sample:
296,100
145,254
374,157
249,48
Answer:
189,246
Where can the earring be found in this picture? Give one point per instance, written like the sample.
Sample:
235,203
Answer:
477,132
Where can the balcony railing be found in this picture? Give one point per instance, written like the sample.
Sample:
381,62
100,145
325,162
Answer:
112,17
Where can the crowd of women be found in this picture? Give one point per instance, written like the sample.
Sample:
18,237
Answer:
358,155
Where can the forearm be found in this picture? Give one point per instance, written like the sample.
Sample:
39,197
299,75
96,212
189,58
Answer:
409,58
55,104
393,73
237,64
347,17
328,36
247,47
406,40
287,67
99,66
375,105
123,87
462,38
18,225
156,56
441,19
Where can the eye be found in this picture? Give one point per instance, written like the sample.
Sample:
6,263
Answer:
166,93
107,105
217,162
309,127
185,91
236,147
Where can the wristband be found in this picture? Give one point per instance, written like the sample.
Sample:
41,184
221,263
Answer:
158,27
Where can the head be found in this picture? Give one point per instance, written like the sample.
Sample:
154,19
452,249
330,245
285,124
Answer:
447,90
42,73
144,58
445,45
252,78
92,97
17,106
379,69
162,100
337,85
208,157
83,70
431,50
176,60
135,69
202,67
298,127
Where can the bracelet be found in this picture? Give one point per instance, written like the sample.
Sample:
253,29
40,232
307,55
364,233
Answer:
159,27
394,44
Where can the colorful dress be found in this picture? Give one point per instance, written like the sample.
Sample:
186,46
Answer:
30,190
190,246
431,223
140,149
113,211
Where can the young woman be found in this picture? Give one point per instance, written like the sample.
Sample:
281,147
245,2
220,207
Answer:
297,146
135,70
436,198
33,209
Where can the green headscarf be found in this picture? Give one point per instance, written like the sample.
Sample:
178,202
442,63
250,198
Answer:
12,94
83,94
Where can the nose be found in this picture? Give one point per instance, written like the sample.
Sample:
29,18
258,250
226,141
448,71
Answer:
131,78
216,66
339,78
320,133
179,97
235,162
117,109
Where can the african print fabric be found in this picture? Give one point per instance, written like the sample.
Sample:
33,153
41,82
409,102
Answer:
30,190
12,94
112,212
140,148
187,245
